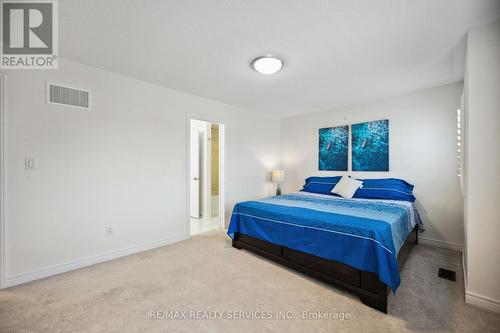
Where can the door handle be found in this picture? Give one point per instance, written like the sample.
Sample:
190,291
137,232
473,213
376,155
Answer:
195,178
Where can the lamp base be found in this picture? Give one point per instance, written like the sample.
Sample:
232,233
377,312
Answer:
278,189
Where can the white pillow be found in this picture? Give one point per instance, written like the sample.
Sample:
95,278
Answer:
347,186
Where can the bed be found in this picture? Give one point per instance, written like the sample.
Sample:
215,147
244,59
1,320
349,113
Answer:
357,244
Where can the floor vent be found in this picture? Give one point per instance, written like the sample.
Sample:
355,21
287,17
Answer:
68,96
447,274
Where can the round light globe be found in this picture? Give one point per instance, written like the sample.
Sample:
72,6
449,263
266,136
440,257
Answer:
267,65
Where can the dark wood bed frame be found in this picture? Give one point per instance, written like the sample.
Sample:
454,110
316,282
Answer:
366,285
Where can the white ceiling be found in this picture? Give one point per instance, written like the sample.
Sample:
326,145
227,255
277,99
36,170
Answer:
336,52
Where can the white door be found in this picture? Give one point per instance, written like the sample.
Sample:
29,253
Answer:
195,174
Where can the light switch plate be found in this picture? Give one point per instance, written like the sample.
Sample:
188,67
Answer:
109,230
29,163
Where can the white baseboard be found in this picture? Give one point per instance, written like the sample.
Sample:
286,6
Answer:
439,243
482,301
79,263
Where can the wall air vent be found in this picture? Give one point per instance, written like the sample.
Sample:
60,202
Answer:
58,94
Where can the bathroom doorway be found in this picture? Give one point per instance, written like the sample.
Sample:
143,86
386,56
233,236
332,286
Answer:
205,175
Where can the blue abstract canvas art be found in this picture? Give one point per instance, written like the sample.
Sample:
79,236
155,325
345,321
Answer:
333,148
370,146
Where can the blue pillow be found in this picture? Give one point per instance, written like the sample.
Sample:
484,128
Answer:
322,185
385,188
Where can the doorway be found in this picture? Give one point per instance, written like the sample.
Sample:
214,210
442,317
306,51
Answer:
206,153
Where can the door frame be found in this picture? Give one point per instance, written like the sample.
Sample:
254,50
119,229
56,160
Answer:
222,167
3,103
207,183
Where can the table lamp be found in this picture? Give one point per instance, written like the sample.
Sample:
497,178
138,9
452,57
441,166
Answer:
277,177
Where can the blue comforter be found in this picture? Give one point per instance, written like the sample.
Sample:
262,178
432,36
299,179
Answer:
363,233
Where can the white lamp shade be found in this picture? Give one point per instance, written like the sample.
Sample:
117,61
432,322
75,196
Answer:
278,176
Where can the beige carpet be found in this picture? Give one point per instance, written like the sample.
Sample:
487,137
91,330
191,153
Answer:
206,274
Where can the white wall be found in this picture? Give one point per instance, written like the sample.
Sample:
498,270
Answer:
122,164
422,150
482,190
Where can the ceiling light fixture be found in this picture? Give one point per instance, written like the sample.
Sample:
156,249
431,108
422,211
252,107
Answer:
267,64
